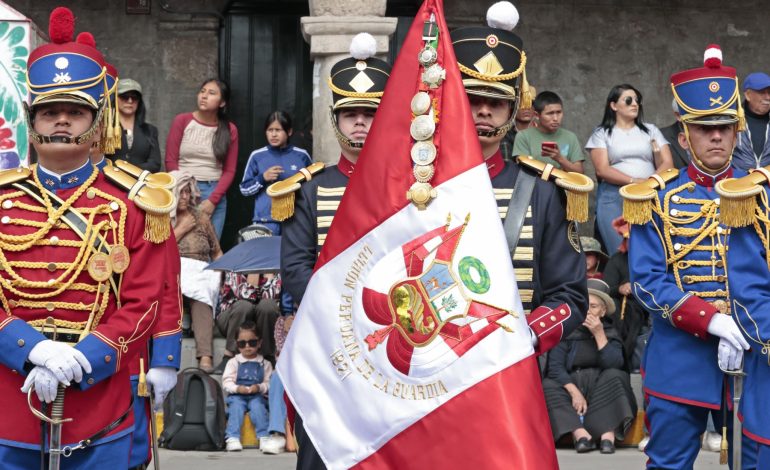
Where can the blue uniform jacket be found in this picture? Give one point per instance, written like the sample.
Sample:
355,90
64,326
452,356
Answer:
749,281
677,267
291,158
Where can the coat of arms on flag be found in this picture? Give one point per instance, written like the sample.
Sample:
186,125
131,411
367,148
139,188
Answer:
409,327
433,303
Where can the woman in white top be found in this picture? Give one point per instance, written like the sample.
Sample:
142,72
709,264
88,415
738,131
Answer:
624,150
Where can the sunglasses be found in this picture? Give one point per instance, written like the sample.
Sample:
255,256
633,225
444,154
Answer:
251,342
631,99
129,97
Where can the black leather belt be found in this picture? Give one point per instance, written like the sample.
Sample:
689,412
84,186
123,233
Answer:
517,208
67,450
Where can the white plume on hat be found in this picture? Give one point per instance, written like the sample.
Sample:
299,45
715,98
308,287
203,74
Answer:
503,15
363,46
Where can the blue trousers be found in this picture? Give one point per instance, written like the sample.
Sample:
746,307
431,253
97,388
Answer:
238,405
112,455
675,432
763,457
609,206
140,442
277,405
218,217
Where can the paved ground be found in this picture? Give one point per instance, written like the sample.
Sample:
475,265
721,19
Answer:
626,459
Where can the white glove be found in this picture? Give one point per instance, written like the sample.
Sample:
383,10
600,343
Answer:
162,380
723,326
728,357
45,384
66,362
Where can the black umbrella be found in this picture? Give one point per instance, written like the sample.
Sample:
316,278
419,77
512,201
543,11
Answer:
259,255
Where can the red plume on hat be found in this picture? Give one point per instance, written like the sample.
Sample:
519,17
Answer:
61,25
86,38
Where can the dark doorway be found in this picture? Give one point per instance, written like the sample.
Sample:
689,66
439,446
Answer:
267,64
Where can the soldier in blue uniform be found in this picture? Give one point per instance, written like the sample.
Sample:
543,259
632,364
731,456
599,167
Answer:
677,258
746,208
355,101
547,258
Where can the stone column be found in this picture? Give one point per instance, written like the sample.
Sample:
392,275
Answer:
329,31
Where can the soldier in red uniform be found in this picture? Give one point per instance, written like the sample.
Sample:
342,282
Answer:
78,250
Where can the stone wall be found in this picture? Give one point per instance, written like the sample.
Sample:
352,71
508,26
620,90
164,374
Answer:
169,54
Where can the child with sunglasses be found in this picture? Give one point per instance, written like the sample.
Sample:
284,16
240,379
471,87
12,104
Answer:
246,380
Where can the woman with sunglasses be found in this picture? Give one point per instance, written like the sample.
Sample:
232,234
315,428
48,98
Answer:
624,149
139,143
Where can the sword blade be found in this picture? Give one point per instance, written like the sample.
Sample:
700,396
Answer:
737,428
154,435
57,413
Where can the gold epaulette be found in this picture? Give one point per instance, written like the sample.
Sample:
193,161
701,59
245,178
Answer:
156,180
282,192
156,202
14,175
638,197
576,185
737,197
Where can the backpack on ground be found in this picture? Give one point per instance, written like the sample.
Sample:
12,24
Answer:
194,413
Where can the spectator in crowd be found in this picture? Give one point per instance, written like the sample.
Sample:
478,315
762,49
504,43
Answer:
680,157
280,438
247,382
624,149
139,142
753,147
274,162
595,257
525,117
205,144
631,320
254,298
548,141
198,246
586,389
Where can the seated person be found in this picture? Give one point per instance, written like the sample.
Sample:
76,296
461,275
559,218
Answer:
586,391
198,246
631,320
595,257
248,297
247,382
280,438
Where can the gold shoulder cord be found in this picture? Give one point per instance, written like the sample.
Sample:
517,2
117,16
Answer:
13,282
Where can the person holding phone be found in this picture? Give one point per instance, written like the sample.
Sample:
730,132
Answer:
548,142
624,149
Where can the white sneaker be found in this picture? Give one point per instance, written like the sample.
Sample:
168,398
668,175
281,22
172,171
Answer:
643,443
233,444
711,441
274,444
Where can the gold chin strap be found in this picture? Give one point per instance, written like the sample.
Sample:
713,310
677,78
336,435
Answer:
47,139
340,136
697,160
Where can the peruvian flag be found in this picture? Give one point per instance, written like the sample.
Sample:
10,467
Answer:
410,347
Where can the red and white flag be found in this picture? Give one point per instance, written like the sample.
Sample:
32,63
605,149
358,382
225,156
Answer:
410,346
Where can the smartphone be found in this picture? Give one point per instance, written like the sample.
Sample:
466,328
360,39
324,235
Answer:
548,145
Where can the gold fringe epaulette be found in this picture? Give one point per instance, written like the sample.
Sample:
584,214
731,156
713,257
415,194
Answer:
156,180
737,196
156,202
576,185
638,197
14,175
282,192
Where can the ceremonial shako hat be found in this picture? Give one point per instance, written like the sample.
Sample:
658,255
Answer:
359,81
708,95
65,71
492,60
